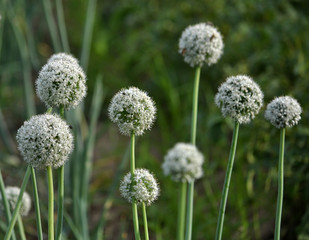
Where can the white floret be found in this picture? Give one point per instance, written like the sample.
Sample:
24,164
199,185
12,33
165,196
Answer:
283,112
12,194
133,111
239,98
63,57
45,140
183,163
142,188
201,43
61,83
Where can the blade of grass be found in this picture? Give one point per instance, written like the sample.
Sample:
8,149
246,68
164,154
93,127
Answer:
3,16
99,231
5,203
73,228
18,204
51,25
23,49
87,36
62,26
6,136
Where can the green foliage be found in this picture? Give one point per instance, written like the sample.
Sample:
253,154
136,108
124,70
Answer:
135,43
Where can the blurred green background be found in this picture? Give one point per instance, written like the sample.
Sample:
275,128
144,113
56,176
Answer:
135,43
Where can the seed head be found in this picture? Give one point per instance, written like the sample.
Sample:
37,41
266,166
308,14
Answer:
183,163
12,194
61,82
283,112
201,43
45,140
239,98
143,187
133,111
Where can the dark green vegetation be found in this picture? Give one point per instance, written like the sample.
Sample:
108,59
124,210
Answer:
136,43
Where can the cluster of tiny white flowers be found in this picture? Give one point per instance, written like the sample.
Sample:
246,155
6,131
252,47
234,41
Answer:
12,194
201,43
239,98
45,140
283,112
143,187
132,110
61,82
183,163
63,57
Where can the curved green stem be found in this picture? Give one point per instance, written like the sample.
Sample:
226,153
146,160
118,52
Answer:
5,203
36,205
227,183
50,203
182,211
280,185
134,206
18,204
193,141
145,222
21,228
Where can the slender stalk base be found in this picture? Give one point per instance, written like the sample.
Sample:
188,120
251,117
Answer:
21,228
182,212
36,204
145,222
18,205
280,185
60,202
227,183
193,141
134,206
190,210
50,203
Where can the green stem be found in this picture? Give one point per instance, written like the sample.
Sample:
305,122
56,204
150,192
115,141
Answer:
62,27
280,185
50,203
195,105
193,141
36,204
227,183
145,222
60,194
182,212
60,202
5,203
21,228
134,206
18,204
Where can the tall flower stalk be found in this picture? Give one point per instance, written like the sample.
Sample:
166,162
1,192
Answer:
134,205
134,113
199,44
239,98
50,203
282,112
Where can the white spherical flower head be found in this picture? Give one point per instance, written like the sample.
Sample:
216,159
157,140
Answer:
201,43
183,163
283,112
61,82
133,111
239,98
45,140
143,187
63,57
12,194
